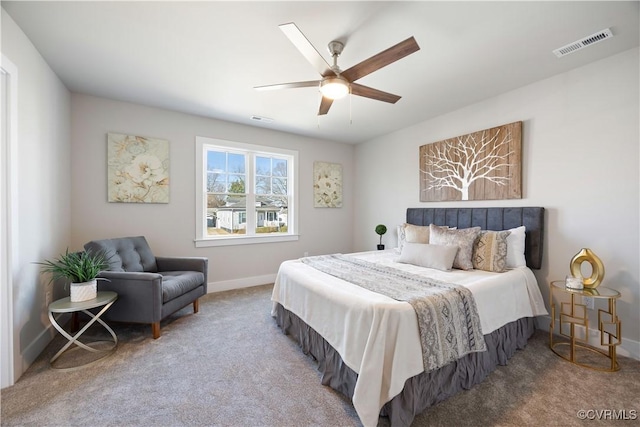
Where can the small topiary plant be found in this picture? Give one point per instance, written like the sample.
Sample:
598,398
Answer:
380,230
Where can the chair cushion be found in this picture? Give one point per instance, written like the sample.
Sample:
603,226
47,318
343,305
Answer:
176,283
131,254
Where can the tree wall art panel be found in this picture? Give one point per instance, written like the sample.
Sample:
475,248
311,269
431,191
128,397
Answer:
483,165
137,169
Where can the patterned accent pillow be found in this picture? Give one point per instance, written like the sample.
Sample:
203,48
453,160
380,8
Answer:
402,238
490,251
463,239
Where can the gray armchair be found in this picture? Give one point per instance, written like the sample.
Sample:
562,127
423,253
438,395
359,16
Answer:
149,288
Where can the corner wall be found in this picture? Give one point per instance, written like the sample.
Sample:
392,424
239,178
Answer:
44,198
170,228
580,162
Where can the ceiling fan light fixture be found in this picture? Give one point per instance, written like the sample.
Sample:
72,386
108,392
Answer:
335,83
334,87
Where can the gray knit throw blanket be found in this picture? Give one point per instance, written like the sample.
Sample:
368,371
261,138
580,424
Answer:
448,319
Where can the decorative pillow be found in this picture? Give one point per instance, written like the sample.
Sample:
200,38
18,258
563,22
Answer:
416,233
412,233
463,239
402,237
431,256
490,251
515,248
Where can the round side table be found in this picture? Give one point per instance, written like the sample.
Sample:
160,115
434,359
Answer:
64,305
574,314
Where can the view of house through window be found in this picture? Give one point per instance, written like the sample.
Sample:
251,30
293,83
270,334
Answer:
226,195
248,192
272,198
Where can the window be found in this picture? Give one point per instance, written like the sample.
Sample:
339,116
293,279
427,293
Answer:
246,193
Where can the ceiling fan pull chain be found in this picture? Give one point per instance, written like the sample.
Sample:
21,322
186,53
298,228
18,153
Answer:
350,97
318,115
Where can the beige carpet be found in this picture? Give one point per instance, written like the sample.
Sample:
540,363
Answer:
230,365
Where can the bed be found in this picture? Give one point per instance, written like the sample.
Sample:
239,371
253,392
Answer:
368,345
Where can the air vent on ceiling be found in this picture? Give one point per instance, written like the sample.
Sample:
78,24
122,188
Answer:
582,43
262,119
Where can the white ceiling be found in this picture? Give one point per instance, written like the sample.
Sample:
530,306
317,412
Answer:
204,58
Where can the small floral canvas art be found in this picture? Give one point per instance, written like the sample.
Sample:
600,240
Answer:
137,169
327,185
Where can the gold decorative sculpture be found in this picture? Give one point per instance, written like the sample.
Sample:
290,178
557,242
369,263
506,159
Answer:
597,268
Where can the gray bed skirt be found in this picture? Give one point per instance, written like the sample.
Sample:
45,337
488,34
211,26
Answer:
423,390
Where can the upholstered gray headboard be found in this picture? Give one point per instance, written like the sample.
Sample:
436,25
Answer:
490,219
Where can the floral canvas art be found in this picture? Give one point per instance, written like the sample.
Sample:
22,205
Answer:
137,169
327,185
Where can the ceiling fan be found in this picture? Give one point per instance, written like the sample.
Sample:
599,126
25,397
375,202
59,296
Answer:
336,83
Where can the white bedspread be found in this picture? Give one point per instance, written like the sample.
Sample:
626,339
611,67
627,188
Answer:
377,336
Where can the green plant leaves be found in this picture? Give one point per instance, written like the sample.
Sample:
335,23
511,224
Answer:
381,229
76,267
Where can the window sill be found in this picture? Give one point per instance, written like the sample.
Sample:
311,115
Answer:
244,240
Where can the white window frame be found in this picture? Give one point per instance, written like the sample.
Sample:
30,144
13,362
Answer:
250,150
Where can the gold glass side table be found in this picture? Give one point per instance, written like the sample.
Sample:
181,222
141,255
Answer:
64,305
574,313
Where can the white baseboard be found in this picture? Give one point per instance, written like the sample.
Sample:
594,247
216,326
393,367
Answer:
627,347
37,346
247,282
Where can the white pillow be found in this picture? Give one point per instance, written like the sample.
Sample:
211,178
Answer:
431,256
515,248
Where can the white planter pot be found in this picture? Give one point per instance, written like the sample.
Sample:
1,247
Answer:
84,291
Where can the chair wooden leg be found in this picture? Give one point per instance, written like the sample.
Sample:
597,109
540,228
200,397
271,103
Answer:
75,322
196,306
155,328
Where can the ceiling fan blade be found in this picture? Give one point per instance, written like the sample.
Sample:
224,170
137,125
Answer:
325,104
382,59
307,50
293,85
378,95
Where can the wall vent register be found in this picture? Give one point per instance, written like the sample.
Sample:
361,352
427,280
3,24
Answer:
582,43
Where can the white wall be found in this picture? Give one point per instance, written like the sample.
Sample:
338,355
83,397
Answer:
44,198
170,228
580,162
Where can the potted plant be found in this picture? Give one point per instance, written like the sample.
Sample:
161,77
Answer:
380,230
80,269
